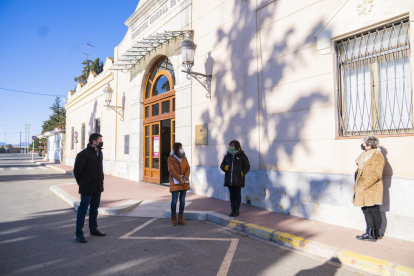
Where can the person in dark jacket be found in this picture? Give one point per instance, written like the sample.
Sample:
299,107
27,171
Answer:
89,175
235,165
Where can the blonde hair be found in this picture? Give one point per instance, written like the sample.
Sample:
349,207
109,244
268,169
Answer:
371,140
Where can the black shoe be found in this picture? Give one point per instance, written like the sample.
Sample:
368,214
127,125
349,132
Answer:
231,214
97,233
81,239
377,234
368,236
236,213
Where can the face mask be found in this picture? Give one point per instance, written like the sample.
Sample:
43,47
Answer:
231,148
181,152
362,147
100,145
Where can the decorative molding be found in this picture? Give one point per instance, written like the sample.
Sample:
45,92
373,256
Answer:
346,21
83,94
365,7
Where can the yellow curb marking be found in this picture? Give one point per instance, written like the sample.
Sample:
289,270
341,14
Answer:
288,238
404,270
367,263
259,230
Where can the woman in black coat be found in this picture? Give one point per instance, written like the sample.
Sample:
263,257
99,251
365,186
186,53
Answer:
235,165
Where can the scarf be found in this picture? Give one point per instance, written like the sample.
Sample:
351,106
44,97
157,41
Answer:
364,157
233,152
176,157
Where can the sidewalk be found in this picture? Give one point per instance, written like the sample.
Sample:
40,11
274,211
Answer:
388,256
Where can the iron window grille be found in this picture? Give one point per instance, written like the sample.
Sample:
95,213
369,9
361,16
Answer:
375,92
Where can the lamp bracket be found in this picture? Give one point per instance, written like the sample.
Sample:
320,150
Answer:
206,83
117,109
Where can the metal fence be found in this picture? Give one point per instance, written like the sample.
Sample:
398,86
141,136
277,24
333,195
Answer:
375,92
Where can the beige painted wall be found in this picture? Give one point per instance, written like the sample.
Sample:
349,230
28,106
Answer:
273,90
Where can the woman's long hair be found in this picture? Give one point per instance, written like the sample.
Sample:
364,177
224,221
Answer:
176,148
237,145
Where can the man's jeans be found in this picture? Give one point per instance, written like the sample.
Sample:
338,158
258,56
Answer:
93,200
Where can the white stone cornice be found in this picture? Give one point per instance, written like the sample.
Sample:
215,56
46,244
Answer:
143,12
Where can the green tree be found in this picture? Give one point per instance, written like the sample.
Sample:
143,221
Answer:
96,66
2,147
89,65
57,118
85,72
9,146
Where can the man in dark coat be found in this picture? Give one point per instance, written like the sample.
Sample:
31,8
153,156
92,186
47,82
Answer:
89,175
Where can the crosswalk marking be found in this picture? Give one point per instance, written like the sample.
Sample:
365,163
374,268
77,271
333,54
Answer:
1,169
29,168
14,169
43,168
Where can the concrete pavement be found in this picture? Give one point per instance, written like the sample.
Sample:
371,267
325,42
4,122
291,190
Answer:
37,238
388,256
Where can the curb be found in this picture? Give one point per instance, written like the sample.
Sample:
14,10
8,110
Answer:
55,168
332,253
75,202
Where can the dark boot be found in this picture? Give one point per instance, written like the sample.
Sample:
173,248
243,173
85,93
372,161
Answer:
377,234
236,213
368,236
232,213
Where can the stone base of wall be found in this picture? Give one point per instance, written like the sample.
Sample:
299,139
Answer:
122,169
321,197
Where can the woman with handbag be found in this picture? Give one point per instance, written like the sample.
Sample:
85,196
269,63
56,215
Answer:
368,189
179,170
235,165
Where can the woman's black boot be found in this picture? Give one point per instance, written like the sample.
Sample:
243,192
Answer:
377,234
368,236
232,213
236,213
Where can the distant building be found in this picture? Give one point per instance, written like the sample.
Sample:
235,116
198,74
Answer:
55,139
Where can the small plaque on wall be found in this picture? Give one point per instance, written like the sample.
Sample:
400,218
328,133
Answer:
201,134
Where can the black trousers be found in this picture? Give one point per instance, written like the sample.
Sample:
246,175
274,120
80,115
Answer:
235,197
373,216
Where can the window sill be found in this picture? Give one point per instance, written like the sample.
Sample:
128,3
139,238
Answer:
378,135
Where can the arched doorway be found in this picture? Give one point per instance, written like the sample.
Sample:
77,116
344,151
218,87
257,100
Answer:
159,121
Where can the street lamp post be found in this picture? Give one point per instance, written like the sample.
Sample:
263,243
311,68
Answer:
188,49
108,98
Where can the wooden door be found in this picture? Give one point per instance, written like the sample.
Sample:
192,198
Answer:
152,142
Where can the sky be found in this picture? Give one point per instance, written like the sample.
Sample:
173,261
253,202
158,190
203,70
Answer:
39,44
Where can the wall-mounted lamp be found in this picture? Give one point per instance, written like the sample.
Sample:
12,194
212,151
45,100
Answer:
187,49
108,98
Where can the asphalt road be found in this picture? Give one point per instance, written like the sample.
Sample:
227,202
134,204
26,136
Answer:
37,237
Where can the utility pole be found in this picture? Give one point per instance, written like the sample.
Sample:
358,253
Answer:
28,139
20,145
87,54
25,138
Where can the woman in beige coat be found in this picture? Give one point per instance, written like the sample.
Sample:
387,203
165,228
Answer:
179,170
368,190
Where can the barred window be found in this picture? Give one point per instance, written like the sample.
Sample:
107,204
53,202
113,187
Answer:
83,135
375,91
73,139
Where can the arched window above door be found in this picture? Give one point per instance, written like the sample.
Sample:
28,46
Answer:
161,79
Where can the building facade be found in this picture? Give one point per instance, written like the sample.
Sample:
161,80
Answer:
298,83
55,149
